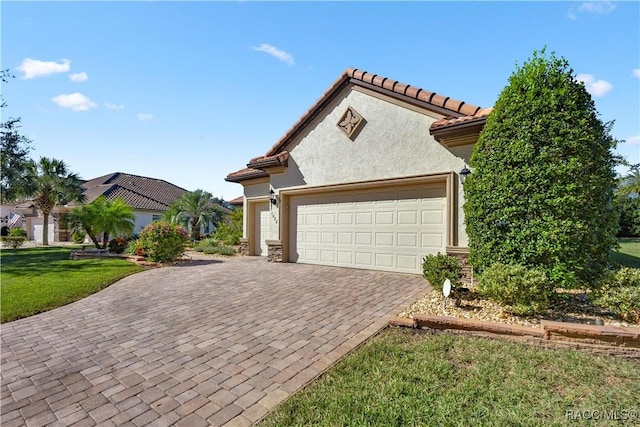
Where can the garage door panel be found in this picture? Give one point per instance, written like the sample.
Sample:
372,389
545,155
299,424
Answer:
407,240
386,229
432,240
408,262
384,260
384,239
407,217
432,217
385,218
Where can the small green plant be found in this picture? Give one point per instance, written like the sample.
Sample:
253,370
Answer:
437,268
17,232
527,291
118,245
78,236
163,242
619,292
229,230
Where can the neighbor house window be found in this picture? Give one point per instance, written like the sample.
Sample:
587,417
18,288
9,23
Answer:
156,218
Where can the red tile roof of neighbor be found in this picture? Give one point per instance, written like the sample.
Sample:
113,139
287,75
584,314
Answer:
455,112
139,192
238,201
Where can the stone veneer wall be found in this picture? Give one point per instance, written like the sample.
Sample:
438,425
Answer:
244,246
275,251
463,256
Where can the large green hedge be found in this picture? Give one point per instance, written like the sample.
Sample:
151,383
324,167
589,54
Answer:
542,183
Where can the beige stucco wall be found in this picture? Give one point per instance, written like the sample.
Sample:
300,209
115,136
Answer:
395,142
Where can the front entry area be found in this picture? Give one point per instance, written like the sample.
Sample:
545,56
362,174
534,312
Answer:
262,231
389,229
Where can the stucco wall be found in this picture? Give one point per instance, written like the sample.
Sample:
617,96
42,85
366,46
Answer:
143,218
394,142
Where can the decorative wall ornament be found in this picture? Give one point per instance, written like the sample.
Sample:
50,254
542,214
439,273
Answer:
351,122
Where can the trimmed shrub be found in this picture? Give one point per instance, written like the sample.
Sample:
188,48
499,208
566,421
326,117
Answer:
18,232
14,242
437,268
78,236
118,245
163,242
620,293
527,291
541,190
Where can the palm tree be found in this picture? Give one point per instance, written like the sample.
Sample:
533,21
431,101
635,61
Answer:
103,216
83,218
116,217
198,209
49,183
629,184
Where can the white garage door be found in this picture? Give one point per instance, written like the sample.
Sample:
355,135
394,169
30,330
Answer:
38,233
390,230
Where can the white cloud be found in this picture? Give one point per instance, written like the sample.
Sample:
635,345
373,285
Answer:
78,77
35,68
633,140
276,53
636,72
113,106
75,101
600,7
144,117
594,87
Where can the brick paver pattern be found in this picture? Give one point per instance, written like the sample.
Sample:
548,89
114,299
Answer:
207,343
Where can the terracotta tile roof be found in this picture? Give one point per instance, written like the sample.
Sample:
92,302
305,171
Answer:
262,162
139,192
481,115
245,174
451,108
238,201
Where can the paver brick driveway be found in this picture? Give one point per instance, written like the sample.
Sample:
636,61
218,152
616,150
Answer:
206,343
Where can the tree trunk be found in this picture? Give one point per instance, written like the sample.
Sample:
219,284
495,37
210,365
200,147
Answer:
45,228
105,240
195,231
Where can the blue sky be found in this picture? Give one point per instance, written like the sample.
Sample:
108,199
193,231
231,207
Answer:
190,91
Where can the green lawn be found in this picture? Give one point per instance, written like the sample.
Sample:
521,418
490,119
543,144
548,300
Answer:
40,279
629,252
407,378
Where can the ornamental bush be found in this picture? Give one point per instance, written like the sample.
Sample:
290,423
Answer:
17,232
118,245
541,190
437,268
527,291
162,241
620,293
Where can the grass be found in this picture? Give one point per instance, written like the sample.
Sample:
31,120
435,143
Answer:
629,252
40,279
407,378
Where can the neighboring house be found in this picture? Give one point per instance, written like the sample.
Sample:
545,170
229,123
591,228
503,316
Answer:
369,177
237,203
149,197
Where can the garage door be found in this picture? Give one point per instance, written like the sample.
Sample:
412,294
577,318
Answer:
38,233
390,230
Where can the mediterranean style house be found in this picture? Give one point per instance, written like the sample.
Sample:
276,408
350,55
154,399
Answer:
369,177
149,198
